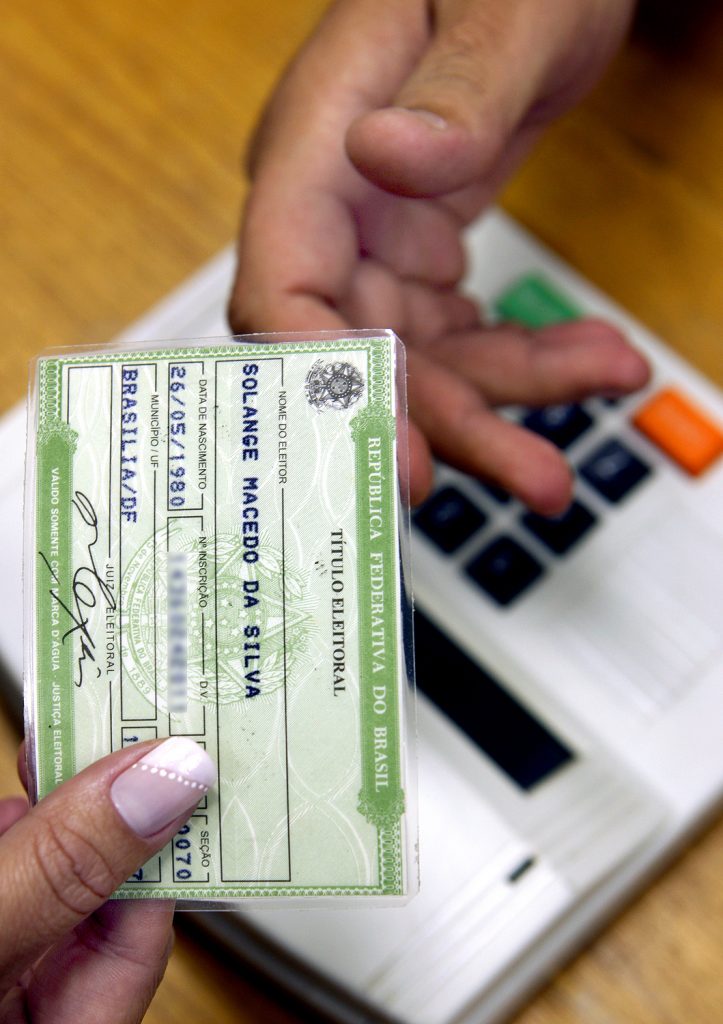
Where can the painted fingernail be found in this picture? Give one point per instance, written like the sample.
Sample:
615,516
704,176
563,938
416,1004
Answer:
159,787
428,116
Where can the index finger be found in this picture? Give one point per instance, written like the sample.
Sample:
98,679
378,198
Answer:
466,433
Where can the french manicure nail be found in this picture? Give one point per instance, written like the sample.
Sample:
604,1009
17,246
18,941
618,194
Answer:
160,786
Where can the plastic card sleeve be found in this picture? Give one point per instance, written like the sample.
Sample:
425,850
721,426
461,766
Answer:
217,547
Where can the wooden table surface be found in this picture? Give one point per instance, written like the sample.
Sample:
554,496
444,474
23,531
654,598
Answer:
121,130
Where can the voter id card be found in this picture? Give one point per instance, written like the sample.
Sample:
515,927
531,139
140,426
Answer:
214,547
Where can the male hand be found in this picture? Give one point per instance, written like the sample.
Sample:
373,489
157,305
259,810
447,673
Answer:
392,129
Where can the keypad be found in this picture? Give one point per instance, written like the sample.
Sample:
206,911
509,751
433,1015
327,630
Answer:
504,570
561,533
500,562
561,424
449,518
535,301
613,470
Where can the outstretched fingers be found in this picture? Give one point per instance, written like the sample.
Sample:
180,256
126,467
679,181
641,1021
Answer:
511,365
465,432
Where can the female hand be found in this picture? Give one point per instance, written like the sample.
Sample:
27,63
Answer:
392,129
67,955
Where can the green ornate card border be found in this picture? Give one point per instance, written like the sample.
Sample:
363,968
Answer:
55,446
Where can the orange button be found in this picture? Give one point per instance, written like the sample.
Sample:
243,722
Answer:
681,430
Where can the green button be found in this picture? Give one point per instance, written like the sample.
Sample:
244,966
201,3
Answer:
534,302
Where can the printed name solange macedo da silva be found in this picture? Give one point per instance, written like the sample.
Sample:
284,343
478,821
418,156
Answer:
250,525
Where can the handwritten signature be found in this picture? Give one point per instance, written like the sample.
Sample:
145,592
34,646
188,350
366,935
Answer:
87,589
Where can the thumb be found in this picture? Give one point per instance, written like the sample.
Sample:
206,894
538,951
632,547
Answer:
484,67
67,856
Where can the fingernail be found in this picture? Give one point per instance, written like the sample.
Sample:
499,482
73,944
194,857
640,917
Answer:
159,787
634,371
428,116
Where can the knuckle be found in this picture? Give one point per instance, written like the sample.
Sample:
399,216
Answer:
73,868
471,32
